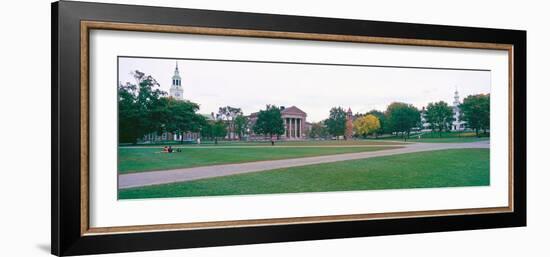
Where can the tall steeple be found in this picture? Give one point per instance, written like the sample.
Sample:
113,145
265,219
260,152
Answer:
457,123
176,90
176,79
456,97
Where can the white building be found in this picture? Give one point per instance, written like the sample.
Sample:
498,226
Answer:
176,90
456,125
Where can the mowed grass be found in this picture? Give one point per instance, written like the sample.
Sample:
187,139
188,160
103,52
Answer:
146,159
443,168
444,137
308,143
448,140
281,143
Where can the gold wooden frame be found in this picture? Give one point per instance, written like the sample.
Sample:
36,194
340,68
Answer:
86,26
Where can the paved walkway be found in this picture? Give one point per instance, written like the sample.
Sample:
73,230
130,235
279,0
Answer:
187,174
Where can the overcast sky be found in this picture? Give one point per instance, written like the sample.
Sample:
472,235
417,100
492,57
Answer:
312,88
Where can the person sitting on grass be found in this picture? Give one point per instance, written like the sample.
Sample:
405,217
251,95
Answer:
170,150
165,149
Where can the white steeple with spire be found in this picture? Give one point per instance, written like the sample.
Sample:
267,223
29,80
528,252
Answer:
457,98
457,124
176,90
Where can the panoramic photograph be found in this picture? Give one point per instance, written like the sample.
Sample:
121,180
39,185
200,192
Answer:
200,127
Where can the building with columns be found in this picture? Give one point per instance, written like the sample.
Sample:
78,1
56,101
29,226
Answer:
294,120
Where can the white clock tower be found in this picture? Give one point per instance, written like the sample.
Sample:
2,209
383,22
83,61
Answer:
176,90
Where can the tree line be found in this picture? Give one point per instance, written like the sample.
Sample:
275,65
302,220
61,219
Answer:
145,109
401,119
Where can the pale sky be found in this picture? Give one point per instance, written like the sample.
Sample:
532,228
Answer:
313,88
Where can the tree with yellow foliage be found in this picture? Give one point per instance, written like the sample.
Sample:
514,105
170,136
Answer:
365,125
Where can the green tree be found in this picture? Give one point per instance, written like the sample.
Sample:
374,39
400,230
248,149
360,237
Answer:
318,130
402,117
475,110
138,107
336,122
241,125
128,114
439,115
269,122
181,116
207,130
219,130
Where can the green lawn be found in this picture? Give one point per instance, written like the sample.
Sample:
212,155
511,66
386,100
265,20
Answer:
147,159
448,140
443,168
310,143
278,143
444,137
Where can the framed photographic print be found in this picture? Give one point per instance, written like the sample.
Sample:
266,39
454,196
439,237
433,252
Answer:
178,128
